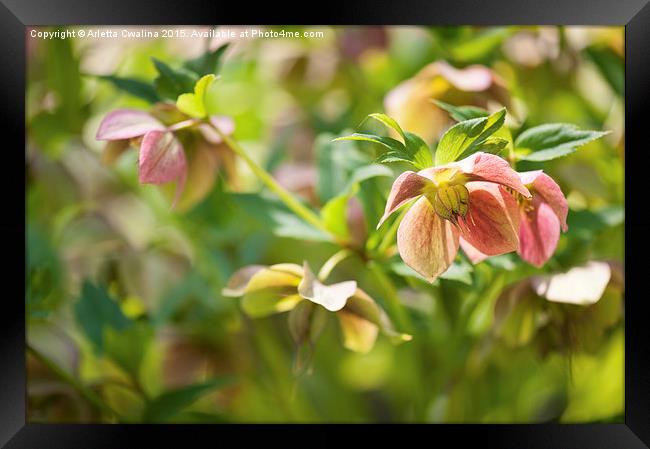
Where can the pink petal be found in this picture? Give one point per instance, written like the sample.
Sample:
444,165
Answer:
427,243
475,78
539,233
126,124
162,158
492,223
545,186
472,253
488,167
407,186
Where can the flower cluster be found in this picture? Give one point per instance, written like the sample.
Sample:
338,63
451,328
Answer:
481,204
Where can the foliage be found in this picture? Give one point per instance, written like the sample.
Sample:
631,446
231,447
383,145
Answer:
234,248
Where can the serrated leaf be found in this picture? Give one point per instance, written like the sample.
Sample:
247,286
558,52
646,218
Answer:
391,157
170,82
388,142
494,145
193,104
132,86
418,150
553,140
389,122
466,137
208,63
460,113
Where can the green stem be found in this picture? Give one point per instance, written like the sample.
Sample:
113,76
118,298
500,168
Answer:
332,262
287,198
87,393
389,238
395,307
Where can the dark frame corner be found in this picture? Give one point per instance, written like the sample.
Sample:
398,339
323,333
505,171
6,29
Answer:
15,15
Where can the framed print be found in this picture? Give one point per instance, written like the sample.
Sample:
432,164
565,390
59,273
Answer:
406,215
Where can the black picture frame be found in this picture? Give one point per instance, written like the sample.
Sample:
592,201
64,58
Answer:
15,15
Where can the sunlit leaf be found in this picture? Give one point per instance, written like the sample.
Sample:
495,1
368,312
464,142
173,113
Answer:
553,140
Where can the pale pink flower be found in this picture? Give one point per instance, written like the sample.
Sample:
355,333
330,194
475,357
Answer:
541,218
465,199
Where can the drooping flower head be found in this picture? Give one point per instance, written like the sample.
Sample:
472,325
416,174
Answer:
162,157
542,216
291,288
465,199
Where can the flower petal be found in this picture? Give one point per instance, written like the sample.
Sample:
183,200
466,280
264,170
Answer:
474,78
270,291
332,297
359,335
539,233
488,167
472,253
426,243
553,196
580,285
162,158
238,282
127,123
407,186
492,223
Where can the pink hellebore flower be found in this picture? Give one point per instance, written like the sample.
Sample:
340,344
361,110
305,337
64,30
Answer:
541,218
464,199
161,159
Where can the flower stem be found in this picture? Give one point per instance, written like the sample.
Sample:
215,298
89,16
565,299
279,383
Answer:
332,262
287,198
87,393
389,237
394,305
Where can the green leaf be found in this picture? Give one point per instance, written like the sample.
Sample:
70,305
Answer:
336,162
272,215
95,311
168,404
334,214
494,145
389,122
133,86
193,104
128,346
171,83
208,63
460,113
480,45
553,140
418,151
610,65
388,142
466,137
392,157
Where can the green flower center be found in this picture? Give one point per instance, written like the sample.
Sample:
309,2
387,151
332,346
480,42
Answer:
449,201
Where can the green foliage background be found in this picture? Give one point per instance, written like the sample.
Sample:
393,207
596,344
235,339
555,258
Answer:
126,321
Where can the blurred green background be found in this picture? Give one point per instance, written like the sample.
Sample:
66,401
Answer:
125,317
